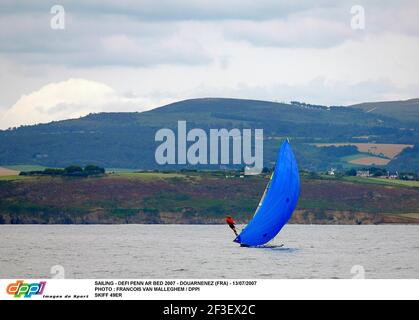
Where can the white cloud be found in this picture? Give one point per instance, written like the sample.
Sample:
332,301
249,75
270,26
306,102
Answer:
305,32
68,99
169,50
173,10
174,32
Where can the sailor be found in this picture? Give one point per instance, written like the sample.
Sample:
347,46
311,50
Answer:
230,222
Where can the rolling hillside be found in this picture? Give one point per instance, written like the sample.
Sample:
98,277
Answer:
126,140
407,110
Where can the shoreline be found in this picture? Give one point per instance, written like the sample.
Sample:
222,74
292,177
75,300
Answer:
196,198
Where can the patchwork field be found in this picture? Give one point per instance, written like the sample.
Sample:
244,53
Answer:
410,215
370,161
4,172
388,150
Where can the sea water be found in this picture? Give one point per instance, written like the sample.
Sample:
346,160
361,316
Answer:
206,251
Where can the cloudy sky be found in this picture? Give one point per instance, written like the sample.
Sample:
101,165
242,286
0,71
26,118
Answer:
131,55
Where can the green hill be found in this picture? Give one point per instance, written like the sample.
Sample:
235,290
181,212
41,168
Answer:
126,140
407,110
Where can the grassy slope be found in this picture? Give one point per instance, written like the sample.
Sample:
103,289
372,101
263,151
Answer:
380,181
193,198
410,215
402,110
25,167
11,178
147,176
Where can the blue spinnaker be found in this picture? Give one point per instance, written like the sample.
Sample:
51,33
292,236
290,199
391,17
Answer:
278,202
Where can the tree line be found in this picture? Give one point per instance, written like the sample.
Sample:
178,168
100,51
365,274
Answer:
70,171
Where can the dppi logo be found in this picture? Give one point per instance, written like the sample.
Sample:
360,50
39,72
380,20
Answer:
27,290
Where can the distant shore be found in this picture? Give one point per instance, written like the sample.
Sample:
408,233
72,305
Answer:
197,198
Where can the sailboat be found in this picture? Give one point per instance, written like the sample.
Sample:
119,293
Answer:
278,201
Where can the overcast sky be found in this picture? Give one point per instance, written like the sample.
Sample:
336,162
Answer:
131,55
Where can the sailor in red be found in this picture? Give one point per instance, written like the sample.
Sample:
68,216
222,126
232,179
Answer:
230,222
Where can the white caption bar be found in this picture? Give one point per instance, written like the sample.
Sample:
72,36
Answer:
175,289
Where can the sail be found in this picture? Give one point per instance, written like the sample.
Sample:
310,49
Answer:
264,195
278,202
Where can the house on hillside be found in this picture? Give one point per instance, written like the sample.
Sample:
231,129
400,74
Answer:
331,172
392,175
363,173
